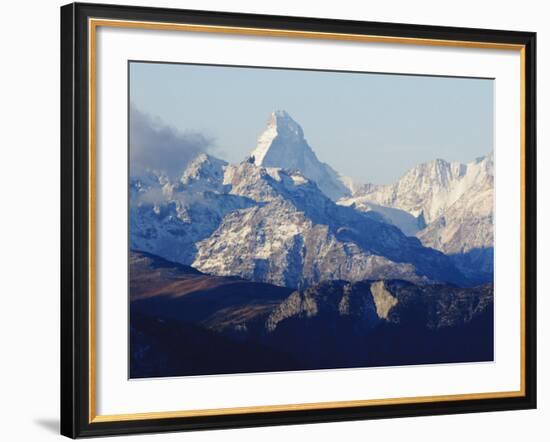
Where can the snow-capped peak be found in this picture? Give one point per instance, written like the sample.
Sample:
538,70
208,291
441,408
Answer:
282,144
205,171
285,124
279,124
430,188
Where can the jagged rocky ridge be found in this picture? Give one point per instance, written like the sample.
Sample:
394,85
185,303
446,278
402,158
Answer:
184,322
275,224
429,189
296,236
272,225
448,206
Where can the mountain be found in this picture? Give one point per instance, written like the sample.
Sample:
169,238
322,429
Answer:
295,236
433,306
280,225
204,172
161,288
185,322
377,323
169,218
270,225
429,189
450,207
175,314
465,232
282,145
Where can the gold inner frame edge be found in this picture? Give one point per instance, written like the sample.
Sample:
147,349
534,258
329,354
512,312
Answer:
93,24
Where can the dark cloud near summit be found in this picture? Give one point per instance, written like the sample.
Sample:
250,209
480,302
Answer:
158,147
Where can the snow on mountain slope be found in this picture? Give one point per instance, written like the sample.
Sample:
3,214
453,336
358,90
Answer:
280,225
275,243
205,172
282,144
465,232
467,224
465,228
430,188
408,224
168,218
455,200
296,236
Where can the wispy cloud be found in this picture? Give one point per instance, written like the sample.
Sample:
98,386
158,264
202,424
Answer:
158,147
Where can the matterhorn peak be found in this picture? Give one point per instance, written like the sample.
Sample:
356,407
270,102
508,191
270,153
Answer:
282,144
280,125
285,124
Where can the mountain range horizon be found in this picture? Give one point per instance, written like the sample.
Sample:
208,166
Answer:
418,204
324,249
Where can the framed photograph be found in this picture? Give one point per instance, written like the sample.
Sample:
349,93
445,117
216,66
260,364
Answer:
275,220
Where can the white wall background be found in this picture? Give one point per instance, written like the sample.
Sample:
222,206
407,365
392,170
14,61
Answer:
29,219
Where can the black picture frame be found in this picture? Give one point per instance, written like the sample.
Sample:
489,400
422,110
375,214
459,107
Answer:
75,220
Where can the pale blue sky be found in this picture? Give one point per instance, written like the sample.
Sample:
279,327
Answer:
371,127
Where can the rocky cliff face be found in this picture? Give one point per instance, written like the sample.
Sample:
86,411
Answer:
448,206
271,225
465,233
432,306
336,298
295,236
168,221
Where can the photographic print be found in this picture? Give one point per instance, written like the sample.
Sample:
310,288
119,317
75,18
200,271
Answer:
272,220
288,219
